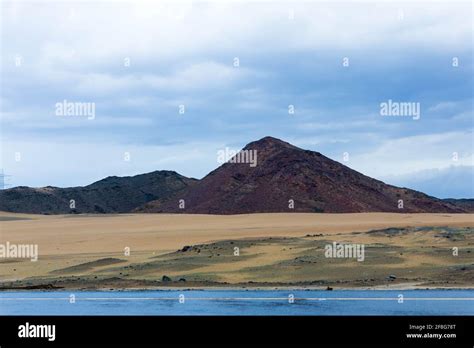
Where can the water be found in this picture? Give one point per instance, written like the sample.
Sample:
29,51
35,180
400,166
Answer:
239,302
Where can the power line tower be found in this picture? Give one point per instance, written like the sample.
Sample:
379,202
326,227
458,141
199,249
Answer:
3,185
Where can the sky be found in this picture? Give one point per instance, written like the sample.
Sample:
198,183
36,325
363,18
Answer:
236,69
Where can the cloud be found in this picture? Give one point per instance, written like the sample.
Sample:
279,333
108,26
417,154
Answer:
197,77
451,182
82,36
405,155
182,53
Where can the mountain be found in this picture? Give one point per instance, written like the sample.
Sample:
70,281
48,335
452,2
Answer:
110,195
464,203
283,178
286,173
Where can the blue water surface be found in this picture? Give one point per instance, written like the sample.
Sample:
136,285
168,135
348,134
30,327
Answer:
239,302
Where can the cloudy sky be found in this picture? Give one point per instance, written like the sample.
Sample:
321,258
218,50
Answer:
139,61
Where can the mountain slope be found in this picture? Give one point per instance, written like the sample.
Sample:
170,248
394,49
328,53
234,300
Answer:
286,173
110,195
463,203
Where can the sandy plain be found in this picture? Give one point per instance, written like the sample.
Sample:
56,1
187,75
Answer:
284,249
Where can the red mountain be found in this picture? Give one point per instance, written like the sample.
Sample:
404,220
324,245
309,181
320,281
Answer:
284,174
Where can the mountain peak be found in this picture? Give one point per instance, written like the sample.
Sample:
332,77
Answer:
269,142
286,178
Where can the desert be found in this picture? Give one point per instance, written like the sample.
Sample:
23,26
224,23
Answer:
122,251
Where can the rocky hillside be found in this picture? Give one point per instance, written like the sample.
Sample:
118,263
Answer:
287,178
110,195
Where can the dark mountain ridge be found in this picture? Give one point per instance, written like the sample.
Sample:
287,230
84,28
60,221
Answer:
109,195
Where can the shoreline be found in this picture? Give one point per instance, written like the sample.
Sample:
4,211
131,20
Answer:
403,287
